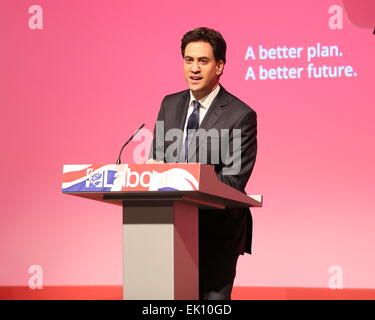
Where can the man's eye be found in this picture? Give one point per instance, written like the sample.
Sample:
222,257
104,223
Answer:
188,60
204,61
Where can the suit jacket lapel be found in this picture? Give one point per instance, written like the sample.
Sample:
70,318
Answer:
216,110
177,118
214,113
181,111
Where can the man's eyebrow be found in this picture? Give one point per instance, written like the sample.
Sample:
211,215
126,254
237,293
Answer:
199,58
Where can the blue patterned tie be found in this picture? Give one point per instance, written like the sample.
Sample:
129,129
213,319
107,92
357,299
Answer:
192,126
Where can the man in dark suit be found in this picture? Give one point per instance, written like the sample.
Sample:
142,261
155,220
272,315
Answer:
223,234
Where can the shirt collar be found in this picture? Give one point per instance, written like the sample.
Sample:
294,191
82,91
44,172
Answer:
207,100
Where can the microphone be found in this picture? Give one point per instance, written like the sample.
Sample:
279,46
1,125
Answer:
130,139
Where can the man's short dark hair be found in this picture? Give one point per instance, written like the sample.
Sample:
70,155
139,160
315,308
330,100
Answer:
213,37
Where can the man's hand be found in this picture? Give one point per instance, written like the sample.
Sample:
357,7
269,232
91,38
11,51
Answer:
153,161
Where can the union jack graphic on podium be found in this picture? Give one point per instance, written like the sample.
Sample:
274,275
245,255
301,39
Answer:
130,177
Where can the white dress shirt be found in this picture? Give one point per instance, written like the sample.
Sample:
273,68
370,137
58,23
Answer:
205,104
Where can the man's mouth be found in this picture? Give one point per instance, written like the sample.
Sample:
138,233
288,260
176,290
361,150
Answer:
196,78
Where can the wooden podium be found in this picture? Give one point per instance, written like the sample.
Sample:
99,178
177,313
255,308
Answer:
160,219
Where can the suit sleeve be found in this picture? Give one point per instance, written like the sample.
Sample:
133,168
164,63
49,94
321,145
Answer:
243,153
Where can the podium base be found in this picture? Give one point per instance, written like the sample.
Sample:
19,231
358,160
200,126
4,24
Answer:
160,251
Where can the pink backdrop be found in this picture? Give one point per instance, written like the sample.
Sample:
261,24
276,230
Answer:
75,90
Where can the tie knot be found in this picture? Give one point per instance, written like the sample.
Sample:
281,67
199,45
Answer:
196,104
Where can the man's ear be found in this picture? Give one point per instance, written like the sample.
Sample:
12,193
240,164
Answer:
219,67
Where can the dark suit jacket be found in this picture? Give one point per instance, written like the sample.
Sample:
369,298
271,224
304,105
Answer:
232,227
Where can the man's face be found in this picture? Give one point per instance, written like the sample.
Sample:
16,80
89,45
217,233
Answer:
202,71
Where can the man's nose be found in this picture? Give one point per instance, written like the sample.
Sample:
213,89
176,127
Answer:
195,67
